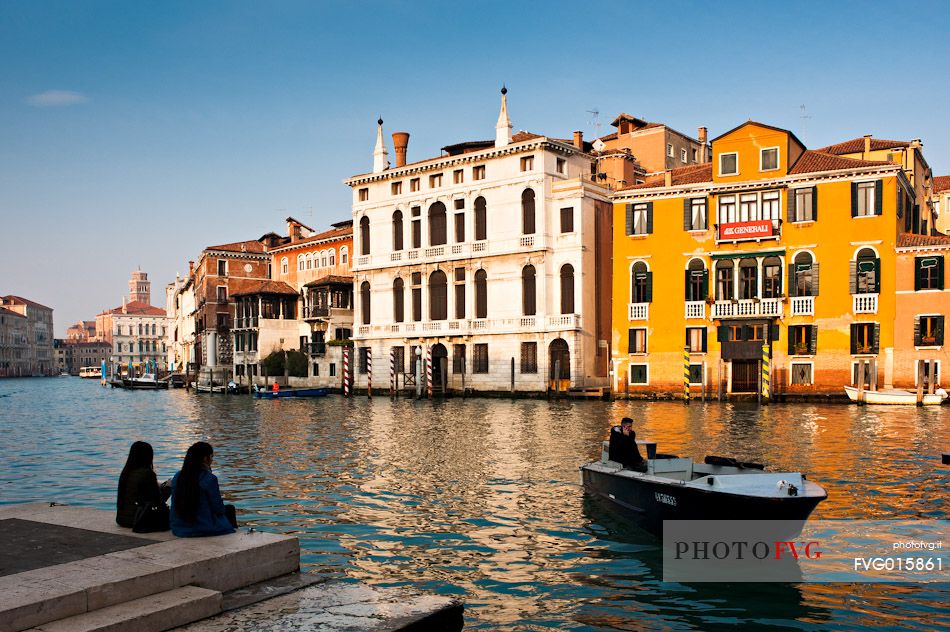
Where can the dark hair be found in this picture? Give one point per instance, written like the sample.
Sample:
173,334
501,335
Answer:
187,492
140,456
626,420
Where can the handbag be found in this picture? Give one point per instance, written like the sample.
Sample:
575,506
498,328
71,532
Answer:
150,517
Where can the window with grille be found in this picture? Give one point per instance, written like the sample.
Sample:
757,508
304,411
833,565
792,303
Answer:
638,373
801,373
480,358
567,220
695,373
529,357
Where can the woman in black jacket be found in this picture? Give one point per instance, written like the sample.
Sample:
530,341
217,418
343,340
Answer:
138,487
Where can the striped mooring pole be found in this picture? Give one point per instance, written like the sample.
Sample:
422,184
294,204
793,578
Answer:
686,374
429,371
346,371
766,372
369,371
392,372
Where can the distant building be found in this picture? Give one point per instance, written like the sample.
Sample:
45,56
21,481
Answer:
493,257
82,331
72,355
941,197
136,331
26,338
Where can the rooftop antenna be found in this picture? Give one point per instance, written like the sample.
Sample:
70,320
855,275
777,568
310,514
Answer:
804,117
595,121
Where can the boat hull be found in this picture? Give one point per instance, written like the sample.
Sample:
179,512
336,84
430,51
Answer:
292,393
893,397
648,502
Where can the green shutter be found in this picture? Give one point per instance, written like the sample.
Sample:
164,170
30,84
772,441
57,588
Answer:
687,214
853,280
879,197
630,334
812,339
774,335
918,273
940,265
791,341
629,219
686,287
649,218
722,334
814,203
938,330
876,343
704,339
854,199
649,296
814,279
706,283
854,338
917,336
877,276
791,205
791,285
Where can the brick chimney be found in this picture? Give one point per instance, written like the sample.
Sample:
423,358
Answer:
867,145
668,178
703,135
401,145
191,268
579,140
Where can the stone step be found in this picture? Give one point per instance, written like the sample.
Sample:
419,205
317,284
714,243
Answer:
154,613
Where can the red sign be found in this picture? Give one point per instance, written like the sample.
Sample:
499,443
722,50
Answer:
746,230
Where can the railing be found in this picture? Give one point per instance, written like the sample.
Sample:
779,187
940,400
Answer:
480,246
362,261
433,325
438,251
695,309
771,306
638,311
527,322
478,325
456,325
748,307
316,311
456,249
410,327
394,328
396,256
864,303
363,330
315,348
412,254
527,241
802,305
245,323
565,321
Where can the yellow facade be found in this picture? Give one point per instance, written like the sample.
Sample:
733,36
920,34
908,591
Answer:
755,305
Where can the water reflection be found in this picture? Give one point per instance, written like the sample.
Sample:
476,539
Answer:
481,497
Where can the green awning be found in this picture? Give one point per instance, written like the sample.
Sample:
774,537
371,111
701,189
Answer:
746,255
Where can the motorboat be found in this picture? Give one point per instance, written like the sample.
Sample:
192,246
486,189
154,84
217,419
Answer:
896,396
144,381
720,488
262,393
231,388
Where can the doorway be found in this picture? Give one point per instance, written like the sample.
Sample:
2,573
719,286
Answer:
745,376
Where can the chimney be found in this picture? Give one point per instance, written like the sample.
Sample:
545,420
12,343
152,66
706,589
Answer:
123,305
867,145
191,268
702,134
401,144
579,140
668,178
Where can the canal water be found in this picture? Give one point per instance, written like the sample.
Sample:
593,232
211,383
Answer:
480,498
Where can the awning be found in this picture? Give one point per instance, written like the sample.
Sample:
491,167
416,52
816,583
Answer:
749,254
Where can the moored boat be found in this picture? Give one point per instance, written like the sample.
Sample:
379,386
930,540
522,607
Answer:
90,372
720,488
895,396
290,392
143,382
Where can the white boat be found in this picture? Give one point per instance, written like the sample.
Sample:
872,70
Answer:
896,396
90,372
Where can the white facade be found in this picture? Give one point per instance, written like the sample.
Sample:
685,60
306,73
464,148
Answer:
180,307
566,207
139,338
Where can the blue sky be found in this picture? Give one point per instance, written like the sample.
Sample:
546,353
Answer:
135,134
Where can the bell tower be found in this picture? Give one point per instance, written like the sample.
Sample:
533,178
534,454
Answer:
140,288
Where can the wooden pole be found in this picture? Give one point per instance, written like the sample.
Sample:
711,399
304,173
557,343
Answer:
932,377
920,382
512,388
719,381
861,381
557,379
444,366
873,374
463,376
703,380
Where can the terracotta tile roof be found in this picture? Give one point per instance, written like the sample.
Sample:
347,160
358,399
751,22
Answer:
941,184
246,287
14,299
251,245
335,233
690,174
905,240
8,312
523,136
812,161
856,146
137,308
331,279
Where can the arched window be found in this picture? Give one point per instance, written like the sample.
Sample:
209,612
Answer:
344,255
399,301
364,235
528,291
771,277
748,279
866,273
397,231
725,280
332,256
140,329
481,219
438,296
364,301
323,258
567,289
527,212
804,275
697,280
481,294
300,262
641,283
283,265
437,229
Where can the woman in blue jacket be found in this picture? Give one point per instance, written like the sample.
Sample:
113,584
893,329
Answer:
197,507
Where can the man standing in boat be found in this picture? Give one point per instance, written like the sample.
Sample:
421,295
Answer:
623,446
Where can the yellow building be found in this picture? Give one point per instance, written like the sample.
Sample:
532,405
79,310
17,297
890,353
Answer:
768,245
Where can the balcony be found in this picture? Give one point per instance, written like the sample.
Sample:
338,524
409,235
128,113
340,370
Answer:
864,303
802,305
315,348
695,309
363,260
396,256
638,311
565,321
412,254
747,307
311,312
527,322
249,322
527,241
480,246
437,251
